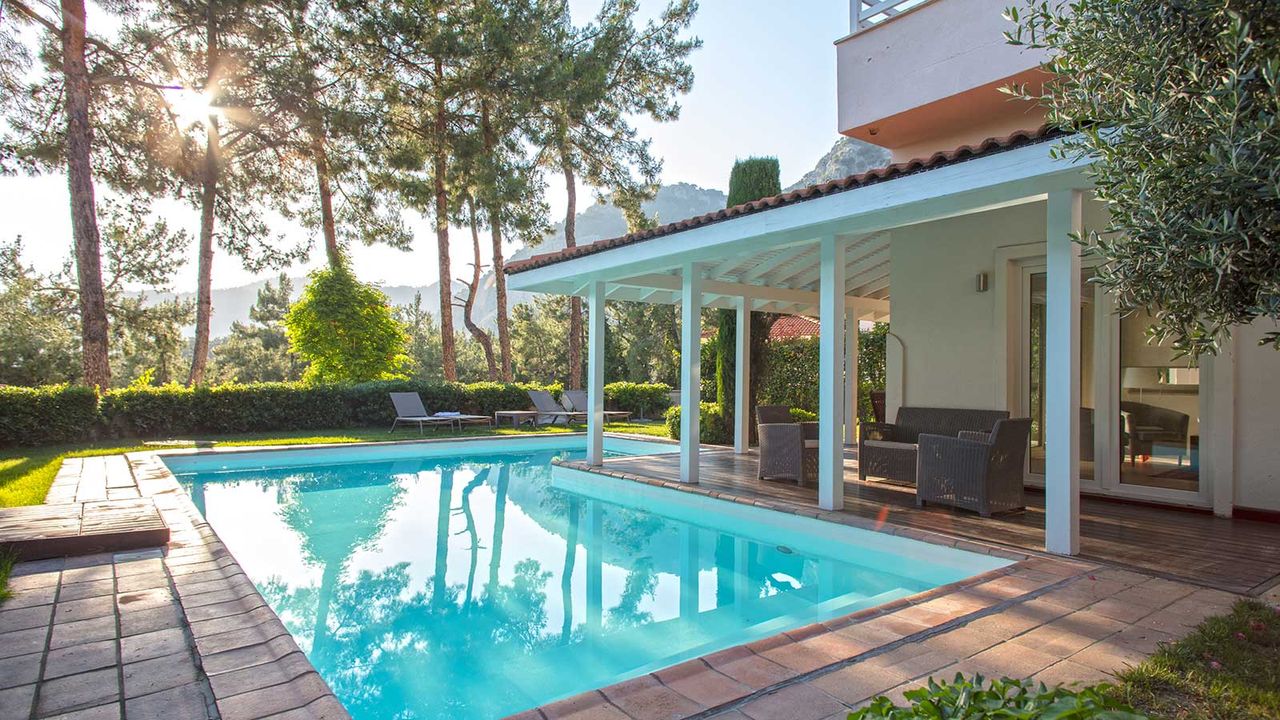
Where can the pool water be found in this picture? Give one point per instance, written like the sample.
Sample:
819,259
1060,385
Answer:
474,580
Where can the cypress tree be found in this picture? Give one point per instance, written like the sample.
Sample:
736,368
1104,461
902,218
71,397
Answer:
750,179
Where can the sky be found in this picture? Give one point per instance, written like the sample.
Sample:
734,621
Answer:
764,85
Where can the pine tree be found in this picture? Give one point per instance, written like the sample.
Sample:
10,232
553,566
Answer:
607,72
750,179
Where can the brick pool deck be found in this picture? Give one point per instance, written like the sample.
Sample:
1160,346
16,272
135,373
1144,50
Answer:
180,632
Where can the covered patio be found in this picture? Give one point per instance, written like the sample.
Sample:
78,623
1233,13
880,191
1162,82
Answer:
1240,556
829,252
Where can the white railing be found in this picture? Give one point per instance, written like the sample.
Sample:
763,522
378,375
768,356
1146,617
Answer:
868,13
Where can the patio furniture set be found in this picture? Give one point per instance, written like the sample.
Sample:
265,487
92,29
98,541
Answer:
971,459
546,411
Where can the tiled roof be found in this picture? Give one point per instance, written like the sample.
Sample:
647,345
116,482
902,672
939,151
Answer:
939,159
786,327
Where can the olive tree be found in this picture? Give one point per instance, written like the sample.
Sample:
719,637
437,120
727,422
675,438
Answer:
1177,102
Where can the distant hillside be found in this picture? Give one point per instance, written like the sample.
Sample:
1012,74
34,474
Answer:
596,222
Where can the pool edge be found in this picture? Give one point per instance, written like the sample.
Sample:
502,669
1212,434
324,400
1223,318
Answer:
802,653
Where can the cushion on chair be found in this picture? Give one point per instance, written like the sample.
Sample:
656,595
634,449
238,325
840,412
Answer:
890,445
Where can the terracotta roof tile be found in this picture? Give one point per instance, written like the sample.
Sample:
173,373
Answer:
989,146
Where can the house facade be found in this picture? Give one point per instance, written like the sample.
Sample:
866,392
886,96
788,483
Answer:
964,244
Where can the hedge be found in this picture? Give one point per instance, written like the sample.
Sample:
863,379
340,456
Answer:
713,429
60,414
639,398
44,415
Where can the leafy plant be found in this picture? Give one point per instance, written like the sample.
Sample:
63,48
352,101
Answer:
7,561
1178,104
712,428
976,698
639,398
345,330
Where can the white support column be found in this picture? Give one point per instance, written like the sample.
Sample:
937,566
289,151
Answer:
595,372
742,377
690,369
831,404
1062,374
850,376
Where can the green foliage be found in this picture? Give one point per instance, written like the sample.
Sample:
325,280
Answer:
712,427
59,414
1228,668
639,398
791,365
726,346
44,415
345,330
754,178
977,698
1179,104
7,561
258,351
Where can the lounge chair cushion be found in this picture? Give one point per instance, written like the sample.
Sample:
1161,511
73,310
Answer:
890,445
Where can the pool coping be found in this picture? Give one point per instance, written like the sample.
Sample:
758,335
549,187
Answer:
245,632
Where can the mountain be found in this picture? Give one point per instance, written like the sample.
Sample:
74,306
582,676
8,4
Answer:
847,157
596,222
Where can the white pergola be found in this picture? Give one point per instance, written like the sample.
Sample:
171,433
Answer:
829,257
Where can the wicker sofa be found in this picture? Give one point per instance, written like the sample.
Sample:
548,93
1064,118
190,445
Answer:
976,471
888,450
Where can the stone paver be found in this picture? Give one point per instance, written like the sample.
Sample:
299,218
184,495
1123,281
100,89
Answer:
184,634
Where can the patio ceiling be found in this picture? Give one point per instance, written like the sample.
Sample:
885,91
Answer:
767,251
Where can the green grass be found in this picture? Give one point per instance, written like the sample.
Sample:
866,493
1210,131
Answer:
7,560
27,473
1227,669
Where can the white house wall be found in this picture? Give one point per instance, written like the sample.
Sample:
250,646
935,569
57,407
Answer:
1257,420
952,343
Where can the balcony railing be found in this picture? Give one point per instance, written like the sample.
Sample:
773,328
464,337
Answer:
869,13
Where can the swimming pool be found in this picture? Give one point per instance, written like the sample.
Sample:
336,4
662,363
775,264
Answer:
474,579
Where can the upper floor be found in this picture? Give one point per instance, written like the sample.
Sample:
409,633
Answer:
918,76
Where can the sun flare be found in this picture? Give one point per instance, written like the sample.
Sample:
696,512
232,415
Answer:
191,106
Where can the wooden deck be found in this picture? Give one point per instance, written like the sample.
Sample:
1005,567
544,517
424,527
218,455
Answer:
1241,556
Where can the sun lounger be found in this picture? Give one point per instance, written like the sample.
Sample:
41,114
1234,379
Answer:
577,400
550,411
409,410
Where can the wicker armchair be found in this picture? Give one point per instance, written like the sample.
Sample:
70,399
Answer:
788,449
976,471
888,450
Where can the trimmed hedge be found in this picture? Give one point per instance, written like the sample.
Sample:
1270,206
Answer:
60,414
712,426
639,398
45,415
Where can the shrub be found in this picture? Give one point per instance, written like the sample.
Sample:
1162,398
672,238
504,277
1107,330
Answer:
56,414
639,398
712,428
47,415
977,698
345,330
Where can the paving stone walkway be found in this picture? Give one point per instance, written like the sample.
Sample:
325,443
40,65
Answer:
179,633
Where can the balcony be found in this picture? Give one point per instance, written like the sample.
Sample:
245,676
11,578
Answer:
916,76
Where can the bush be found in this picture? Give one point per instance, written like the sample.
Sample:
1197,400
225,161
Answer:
639,398
712,428
58,414
977,698
47,415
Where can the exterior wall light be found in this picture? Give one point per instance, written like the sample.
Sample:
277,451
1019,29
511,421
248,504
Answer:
983,282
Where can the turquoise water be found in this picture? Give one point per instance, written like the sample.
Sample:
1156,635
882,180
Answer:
473,580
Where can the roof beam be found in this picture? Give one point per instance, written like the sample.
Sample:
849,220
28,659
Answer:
782,258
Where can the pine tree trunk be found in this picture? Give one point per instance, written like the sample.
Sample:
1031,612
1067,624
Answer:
447,350
499,262
320,157
208,203
575,302
477,332
84,220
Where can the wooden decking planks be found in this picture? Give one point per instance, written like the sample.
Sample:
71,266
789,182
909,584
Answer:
1241,556
93,506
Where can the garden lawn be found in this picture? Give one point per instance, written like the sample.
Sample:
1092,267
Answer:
1228,669
27,473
